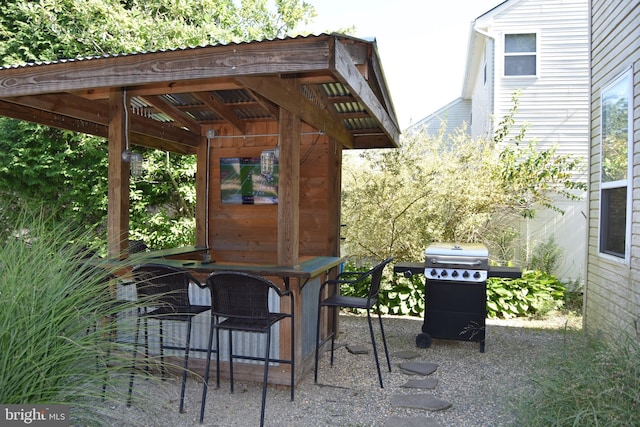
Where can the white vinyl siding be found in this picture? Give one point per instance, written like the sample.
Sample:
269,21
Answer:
553,103
482,96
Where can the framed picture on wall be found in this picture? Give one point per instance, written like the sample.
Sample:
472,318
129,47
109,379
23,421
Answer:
246,181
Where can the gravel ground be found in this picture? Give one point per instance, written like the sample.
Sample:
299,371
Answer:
479,386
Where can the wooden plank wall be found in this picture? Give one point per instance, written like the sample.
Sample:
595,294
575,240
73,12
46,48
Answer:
248,233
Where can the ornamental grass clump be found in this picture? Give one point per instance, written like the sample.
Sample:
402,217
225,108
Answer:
589,383
55,328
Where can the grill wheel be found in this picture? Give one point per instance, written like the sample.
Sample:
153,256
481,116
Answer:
423,340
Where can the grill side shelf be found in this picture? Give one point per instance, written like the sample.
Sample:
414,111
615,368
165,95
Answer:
408,269
504,272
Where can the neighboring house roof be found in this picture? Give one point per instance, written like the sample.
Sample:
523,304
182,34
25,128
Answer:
453,116
334,82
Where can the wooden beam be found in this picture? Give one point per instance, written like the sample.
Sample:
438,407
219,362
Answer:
75,113
163,132
67,105
160,144
222,110
27,114
175,113
321,98
289,189
287,94
334,173
288,56
382,84
349,75
266,104
371,140
170,87
118,194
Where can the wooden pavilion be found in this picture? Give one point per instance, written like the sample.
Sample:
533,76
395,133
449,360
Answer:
309,98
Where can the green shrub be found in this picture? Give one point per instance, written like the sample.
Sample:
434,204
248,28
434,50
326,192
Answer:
398,295
589,383
546,257
535,294
405,297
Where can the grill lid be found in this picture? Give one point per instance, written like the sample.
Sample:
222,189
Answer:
457,255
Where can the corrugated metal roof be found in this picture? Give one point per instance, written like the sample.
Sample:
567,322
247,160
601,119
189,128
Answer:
181,48
213,101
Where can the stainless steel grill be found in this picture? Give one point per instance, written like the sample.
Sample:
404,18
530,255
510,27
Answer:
468,262
455,293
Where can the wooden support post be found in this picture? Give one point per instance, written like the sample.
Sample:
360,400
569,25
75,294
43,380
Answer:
334,167
203,181
118,175
289,189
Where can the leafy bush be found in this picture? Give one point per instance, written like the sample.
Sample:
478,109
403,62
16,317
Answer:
405,298
451,188
546,257
535,294
589,383
398,295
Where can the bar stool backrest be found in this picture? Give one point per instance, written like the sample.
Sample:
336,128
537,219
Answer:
163,285
239,295
376,278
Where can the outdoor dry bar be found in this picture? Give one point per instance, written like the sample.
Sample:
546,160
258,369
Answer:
268,121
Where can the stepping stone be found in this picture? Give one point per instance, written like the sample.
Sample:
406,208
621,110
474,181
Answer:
412,368
406,354
427,402
396,421
357,349
427,384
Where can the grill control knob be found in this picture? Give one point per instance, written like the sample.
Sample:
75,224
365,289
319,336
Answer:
465,274
434,273
476,275
454,273
444,273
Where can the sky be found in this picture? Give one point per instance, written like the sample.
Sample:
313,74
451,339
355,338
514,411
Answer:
422,45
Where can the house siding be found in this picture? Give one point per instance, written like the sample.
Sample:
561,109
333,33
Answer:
612,297
554,104
483,94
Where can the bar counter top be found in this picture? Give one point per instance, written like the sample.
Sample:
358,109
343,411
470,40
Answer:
190,258
307,268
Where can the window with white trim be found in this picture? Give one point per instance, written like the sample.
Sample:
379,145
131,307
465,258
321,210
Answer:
520,54
615,149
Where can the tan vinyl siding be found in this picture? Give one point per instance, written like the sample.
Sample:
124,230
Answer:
613,286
